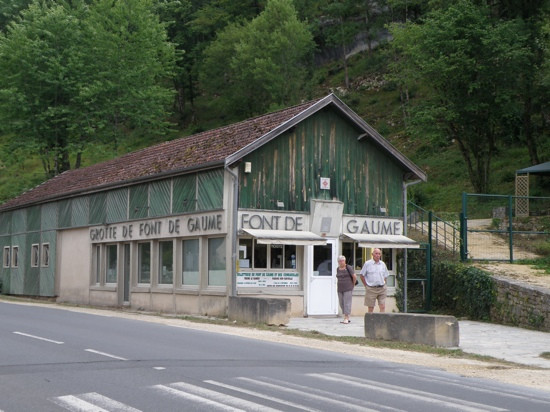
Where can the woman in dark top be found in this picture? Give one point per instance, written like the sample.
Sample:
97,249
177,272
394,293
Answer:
346,282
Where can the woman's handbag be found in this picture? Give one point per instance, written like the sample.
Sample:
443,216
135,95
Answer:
351,276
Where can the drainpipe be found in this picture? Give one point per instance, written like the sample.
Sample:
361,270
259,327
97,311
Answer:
405,278
234,225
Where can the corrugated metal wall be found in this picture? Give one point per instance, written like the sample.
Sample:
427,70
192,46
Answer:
288,169
39,224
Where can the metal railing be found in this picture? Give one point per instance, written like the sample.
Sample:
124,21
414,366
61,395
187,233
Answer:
442,233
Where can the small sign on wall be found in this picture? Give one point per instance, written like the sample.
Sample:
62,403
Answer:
325,183
268,279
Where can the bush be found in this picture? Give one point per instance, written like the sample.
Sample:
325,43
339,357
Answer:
462,291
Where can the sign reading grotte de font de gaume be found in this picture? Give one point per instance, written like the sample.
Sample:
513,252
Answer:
174,226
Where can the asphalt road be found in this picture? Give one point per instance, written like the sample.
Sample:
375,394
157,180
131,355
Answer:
57,360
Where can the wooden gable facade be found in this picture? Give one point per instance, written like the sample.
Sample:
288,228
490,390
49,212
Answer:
288,169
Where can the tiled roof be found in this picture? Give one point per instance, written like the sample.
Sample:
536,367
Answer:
188,152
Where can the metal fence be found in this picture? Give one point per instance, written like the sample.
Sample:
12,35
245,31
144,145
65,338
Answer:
443,230
504,228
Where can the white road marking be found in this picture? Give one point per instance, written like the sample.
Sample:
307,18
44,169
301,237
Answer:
422,396
74,404
91,402
511,393
198,399
159,368
269,398
105,354
227,401
39,338
312,393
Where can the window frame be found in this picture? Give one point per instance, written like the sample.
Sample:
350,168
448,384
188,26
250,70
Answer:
108,250
160,251
15,256
35,255
6,257
139,263
197,259
212,272
45,255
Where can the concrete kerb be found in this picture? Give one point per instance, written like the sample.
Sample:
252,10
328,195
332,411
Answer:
433,330
270,311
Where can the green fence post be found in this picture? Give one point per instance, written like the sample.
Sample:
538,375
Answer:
428,306
510,229
463,229
430,222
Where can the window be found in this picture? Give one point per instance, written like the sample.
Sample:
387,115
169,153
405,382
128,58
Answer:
260,256
97,263
166,262
112,263
216,262
190,264
144,262
15,257
387,257
290,256
45,255
6,257
355,255
276,252
35,258
253,255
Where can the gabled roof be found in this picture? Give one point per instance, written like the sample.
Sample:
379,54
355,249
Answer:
214,148
540,169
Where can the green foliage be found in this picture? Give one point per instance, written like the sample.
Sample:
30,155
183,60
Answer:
463,291
461,52
9,10
72,75
262,64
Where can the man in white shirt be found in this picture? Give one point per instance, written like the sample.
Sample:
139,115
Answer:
373,276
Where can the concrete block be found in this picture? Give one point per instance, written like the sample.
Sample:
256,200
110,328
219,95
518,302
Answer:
433,330
271,311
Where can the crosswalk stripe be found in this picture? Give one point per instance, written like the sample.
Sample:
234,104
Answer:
266,397
91,402
199,399
306,392
221,397
75,404
511,393
110,404
423,396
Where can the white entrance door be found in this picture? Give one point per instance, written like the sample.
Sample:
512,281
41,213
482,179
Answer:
321,292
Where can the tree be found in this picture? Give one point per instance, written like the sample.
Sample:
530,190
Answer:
469,63
192,25
257,64
9,11
71,74
341,29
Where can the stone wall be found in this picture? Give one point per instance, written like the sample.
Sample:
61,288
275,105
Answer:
518,304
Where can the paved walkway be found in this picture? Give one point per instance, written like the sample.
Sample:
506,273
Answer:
502,342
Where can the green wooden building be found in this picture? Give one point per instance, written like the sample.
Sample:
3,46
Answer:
258,208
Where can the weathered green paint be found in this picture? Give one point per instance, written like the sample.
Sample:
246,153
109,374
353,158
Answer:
185,194
289,169
159,198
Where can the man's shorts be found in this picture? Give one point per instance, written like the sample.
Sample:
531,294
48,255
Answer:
374,293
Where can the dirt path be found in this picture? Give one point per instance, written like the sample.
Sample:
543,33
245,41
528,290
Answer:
487,245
